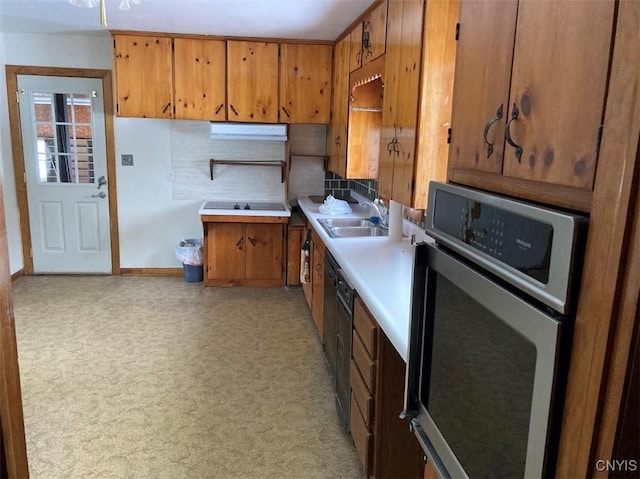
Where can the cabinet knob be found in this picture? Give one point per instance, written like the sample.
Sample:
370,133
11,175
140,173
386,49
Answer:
486,131
507,132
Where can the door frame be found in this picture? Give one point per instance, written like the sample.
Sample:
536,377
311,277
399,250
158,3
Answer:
17,148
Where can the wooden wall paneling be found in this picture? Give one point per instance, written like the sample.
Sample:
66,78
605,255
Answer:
608,228
558,125
252,79
408,100
200,79
11,415
621,361
436,93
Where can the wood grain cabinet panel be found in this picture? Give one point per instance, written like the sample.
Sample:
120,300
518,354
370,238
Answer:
200,79
144,79
244,254
401,100
355,50
368,38
252,81
337,137
524,111
305,83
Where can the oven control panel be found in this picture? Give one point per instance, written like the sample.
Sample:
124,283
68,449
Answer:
521,242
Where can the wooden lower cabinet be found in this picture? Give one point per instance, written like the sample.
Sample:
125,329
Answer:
244,254
317,273
385,446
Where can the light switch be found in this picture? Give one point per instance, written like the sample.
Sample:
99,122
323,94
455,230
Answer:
127,159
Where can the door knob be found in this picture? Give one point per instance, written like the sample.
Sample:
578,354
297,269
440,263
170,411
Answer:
102,194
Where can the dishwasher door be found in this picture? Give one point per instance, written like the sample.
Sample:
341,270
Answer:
329,318
343,354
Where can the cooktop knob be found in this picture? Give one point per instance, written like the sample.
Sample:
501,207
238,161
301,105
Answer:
236,206
247,207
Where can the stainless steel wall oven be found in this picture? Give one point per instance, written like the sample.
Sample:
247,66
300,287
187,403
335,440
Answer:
490,332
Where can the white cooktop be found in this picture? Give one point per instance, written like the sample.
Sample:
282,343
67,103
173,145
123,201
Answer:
245,208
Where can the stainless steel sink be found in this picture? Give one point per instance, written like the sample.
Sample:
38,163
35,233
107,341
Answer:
351,228
339,222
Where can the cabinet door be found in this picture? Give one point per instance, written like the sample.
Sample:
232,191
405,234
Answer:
265,249
305,83
559,92
338,136
355,52
481,87
401,100
408,100
200,69
317,303
388,147
252,79
375,27
143,76
226,243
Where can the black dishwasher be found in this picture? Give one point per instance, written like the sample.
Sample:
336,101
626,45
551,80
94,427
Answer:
337,326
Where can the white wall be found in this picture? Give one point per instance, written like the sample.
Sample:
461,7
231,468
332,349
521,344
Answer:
6,171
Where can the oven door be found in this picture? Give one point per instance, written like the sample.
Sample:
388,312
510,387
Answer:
482,368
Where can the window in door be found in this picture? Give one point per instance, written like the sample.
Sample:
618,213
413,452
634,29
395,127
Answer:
64,136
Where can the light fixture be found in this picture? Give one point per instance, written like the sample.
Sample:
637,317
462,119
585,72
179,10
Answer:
125,5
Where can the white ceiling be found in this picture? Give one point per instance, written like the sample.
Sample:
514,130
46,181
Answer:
303,19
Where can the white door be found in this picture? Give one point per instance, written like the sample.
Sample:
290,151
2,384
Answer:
63,136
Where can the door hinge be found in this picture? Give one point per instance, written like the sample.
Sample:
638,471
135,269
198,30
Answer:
599,141
117,107
448,135
17,97
457,31
114,43
24,177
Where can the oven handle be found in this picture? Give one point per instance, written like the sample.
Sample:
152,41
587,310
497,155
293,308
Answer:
429,449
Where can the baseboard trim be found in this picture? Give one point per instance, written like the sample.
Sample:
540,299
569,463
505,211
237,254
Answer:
17,274
151,271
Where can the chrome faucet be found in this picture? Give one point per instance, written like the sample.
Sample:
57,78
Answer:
380,209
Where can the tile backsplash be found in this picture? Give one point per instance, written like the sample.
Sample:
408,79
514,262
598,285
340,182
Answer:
337,186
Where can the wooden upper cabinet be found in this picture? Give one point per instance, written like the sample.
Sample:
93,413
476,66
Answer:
401,100
559,92
368,38
355,40
143,76
546,64
200,82
252,79
481,88
305,83
337,138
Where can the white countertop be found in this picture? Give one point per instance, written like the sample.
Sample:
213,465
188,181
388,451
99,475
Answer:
243,212
380,270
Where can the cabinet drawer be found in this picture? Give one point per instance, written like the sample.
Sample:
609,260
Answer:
364,363
361,395
366,327
362,437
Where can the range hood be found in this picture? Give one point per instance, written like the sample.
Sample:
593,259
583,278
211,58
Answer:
248,131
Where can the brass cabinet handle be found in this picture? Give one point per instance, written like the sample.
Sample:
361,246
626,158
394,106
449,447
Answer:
233,109
507,132
486,131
